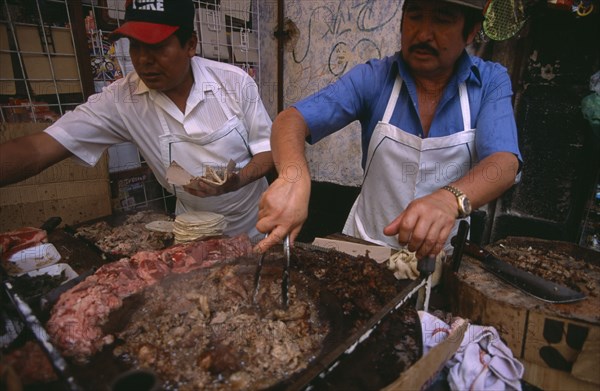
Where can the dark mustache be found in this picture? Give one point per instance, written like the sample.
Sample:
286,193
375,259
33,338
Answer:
423,46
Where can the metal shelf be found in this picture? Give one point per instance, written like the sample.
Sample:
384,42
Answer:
34,84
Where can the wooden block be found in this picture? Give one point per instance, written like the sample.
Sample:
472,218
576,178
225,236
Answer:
378,253
586,364
560,343
552,380
557,342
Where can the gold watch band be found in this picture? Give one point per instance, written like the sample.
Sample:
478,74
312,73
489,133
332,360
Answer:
457,193
463,203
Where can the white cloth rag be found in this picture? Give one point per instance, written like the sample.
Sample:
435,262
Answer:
483,361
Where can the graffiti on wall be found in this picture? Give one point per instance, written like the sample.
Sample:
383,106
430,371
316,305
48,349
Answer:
333,37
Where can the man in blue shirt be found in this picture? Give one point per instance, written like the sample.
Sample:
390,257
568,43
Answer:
438,135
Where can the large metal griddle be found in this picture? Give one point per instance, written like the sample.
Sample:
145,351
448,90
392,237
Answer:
104,368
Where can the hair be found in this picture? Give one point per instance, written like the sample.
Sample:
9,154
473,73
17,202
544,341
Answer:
472,18
183,34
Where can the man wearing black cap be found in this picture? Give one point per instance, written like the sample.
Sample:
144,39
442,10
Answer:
438,135
174,107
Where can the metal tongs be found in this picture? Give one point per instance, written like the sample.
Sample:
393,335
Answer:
285,279
257,274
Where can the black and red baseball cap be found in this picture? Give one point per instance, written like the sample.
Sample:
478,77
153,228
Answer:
478,4
153,21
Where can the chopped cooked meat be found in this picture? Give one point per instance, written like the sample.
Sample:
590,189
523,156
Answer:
557,266
183,317
127,238
76,320
226,343
363,290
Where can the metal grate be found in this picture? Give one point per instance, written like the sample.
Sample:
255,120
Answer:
40,78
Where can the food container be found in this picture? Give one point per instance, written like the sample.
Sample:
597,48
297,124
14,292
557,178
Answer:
31,258
55,270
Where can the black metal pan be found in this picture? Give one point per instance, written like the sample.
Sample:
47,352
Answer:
527,282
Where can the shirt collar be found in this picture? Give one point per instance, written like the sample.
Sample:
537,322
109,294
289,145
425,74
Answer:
466,70
203,82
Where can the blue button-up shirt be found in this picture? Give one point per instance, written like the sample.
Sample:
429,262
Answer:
362,94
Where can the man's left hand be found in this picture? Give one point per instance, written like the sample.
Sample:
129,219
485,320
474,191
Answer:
201,188
425,224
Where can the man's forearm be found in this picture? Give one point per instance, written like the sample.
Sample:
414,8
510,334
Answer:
27,156
490,178
16,164
287,142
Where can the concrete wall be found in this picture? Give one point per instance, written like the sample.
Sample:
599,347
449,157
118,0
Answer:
327,39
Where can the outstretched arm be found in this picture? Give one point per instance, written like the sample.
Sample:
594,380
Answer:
427,221
27,156
283,208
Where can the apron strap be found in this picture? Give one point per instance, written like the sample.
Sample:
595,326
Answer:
389,110
464,105
462,92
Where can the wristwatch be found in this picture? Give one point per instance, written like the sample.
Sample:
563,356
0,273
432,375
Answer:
464,205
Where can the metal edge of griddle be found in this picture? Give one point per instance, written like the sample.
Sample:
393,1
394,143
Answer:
321,367
41,336
308,246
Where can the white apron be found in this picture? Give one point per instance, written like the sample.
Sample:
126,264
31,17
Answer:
240,207
401,167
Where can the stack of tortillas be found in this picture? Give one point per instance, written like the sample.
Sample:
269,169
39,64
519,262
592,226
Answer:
196,225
